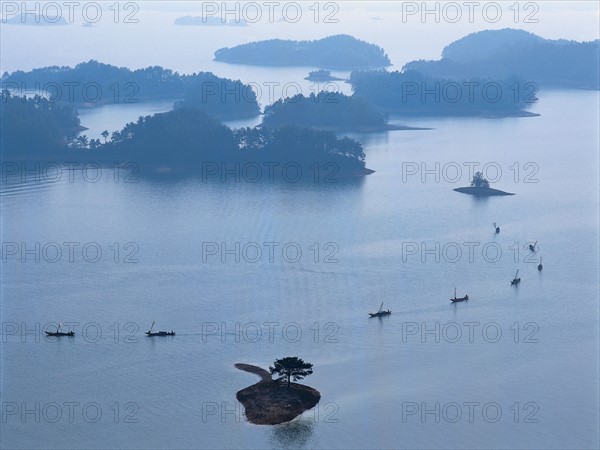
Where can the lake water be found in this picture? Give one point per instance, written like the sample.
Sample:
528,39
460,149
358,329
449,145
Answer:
527,375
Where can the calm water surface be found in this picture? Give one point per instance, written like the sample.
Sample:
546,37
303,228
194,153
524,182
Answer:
540,373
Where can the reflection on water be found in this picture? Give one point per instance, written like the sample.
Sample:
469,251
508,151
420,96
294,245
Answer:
367,367
294,434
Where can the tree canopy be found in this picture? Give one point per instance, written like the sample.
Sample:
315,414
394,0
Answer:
35,125
479,181
411,92
509,52
98,83
291,368
324,110
333,52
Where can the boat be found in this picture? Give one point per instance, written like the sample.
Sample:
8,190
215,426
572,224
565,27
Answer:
497,228
540,267
381,312
516,280
532,247
461,299
59,333
159,333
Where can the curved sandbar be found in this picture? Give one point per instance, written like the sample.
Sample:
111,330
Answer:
481,191
270,402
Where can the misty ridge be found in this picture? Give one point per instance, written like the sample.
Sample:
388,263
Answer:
509,52
92,83
334,52
298,127
209,21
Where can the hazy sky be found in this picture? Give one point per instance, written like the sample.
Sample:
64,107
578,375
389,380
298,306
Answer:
399,27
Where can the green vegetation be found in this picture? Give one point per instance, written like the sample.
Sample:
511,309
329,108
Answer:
220,97
94,83
291,367
412,93
35,125
508,52
334,52
479,181
321,75
324,110
177,138
182,139
480,187
270,402
185,138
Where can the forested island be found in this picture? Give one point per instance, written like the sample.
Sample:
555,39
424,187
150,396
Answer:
188,138
321,75
94,83
509,52
35,127
183,139
334,52
328,111
413,93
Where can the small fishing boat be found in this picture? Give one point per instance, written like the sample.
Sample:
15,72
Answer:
532,247
540,267
456,299
496,228
59,333
159,333
381,312
515,280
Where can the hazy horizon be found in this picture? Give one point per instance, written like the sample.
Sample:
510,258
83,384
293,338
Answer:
190,49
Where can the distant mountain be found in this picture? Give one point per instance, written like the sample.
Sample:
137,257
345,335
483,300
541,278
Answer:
509,52
36,20
334,52
209,21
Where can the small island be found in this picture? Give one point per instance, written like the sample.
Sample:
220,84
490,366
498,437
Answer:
329,111
480,187
271,402
340,51
321,75
411,93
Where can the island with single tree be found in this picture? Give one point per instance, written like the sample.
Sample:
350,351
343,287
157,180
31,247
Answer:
328,111
333,52
271,402
415,94
509,52
94,83
480,187
321,75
